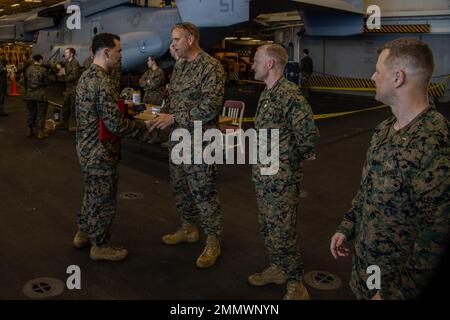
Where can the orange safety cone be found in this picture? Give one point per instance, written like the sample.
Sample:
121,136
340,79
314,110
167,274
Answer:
14,90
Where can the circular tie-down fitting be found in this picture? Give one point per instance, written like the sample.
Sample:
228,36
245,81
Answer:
131,195
43,288
322,280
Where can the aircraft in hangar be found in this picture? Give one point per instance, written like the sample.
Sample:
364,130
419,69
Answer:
146,31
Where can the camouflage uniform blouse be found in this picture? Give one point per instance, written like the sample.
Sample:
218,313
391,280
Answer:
400,215
97,98
283,108
37,80
72,74
196,92
153,83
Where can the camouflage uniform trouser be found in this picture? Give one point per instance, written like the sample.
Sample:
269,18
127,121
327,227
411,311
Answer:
277,204
37,112
99,202
358,280
194,190
68,107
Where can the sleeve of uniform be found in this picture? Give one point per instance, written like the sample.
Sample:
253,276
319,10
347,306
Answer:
74,72
143,80
431,190
112,117
347,225
157,81
304,130
212,92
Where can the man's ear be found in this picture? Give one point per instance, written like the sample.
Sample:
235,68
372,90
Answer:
399,78
271,63
190,40
106,52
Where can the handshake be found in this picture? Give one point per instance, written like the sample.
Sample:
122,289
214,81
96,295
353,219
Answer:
162,121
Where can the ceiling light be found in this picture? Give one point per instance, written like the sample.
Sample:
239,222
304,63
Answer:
15,5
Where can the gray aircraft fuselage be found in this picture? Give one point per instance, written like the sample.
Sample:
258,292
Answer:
143,32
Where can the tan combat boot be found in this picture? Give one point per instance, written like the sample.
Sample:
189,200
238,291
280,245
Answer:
273,274
107,252
296,291
187,233
210,253
81,240
41,135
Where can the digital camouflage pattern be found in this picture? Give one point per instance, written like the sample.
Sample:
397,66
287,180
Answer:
399,218
116,74
196,93
87,62
153,83
286,110
195,193
72,74
283,108
127,93
99,202
36,98
37,80
96,98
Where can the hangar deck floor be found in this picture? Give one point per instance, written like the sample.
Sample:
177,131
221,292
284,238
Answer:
41,190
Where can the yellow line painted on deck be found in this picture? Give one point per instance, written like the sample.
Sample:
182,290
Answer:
55,104
332,115
340,114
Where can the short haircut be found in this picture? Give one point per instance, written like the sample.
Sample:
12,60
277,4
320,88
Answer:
189,28
278,53
72,50
154,58
38,57
103,40
412,54
305,51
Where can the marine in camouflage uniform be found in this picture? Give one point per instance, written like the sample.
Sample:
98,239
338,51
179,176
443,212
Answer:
97,98
196,93
399,219
152,81
283,108
36,99
72,74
